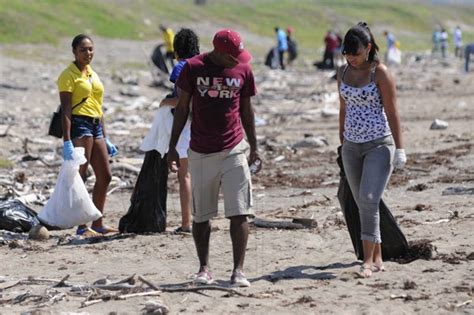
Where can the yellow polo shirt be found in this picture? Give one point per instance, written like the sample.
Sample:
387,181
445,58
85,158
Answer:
72,80
168,37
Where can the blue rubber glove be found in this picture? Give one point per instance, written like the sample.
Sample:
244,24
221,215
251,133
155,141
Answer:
111,148
68,150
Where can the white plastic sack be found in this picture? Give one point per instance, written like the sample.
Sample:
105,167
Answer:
158,137
70,204
394,56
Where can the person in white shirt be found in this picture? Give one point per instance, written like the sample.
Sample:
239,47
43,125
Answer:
457,37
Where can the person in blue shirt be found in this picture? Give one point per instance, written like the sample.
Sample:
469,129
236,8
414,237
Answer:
282,45
186,45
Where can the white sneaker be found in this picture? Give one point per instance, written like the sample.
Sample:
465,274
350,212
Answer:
203,277
238,279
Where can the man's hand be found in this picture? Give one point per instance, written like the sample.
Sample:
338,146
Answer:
255,162
173,160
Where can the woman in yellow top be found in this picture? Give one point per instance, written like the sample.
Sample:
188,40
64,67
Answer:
81,93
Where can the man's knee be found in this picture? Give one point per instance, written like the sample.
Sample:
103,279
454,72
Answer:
238,219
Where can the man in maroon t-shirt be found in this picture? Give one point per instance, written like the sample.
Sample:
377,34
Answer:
220,84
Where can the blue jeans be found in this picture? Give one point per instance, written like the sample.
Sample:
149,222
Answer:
368,167
83,126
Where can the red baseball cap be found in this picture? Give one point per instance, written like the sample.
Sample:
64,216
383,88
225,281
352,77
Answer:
229,42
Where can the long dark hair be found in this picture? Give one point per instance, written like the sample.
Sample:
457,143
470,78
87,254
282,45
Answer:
357,36
186,44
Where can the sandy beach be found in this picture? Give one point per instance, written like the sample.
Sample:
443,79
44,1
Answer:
292,271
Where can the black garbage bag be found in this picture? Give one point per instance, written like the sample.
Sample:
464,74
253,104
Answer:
292,49
394,243
147,212
159,60
272,59
16,216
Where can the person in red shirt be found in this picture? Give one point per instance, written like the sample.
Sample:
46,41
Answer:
220,84
332,43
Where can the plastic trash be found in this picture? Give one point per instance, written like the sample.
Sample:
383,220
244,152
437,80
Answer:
16,216
438,124
70,204
147,211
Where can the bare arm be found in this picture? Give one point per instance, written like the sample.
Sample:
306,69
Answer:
102,120
386,85
342,105
247,116
66,107
169,101
180,117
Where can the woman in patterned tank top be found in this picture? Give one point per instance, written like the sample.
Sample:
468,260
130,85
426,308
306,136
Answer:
370,133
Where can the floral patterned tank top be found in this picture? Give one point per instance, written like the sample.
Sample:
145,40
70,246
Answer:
365,117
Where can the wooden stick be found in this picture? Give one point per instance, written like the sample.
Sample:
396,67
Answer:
117,167
149,293
62,283
276,224
119,297
148,283
201,288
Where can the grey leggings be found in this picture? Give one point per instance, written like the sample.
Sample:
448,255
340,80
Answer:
368,167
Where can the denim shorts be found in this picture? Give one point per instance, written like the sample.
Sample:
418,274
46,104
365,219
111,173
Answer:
83,126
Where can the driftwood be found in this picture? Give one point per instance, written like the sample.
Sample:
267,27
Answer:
277,224
109,287
202,288
93,293
124,167
190,289
32,281
148,283
119,187
119,297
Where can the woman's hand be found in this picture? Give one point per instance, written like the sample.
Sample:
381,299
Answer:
399,159
68,150
111,148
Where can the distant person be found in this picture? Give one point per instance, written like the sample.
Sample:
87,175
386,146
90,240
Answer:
331,42
469,50
282,44
168,38
186,45
390,39
219,84
370,133
393,53
81,93
443,43
436,38
457,39
338,58
292,46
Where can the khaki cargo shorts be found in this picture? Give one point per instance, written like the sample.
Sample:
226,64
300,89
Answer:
227,169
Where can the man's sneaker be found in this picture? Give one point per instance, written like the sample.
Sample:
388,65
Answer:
238,279
203,277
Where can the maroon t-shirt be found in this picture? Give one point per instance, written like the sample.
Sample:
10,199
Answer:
216,93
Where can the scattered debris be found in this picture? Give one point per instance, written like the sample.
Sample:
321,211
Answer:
458,191
438,124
